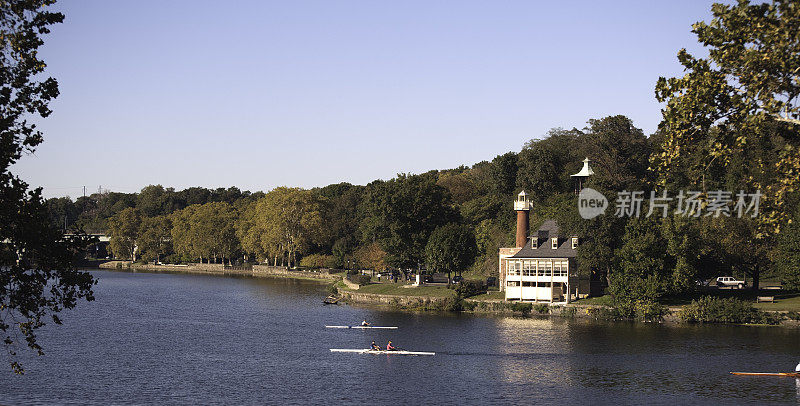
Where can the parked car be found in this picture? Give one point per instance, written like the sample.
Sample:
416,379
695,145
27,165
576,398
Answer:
730,281
458,279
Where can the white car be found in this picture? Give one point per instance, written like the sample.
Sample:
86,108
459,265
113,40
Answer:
730,281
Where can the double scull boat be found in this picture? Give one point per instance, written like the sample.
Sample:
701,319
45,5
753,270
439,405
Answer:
395,352
386,327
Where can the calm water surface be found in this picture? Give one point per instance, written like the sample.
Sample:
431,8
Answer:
186,339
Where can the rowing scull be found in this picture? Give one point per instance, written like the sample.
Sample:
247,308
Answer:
789,374
369,351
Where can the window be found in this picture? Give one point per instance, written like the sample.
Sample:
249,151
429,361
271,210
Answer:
561,268
555,242
540,271
512,283
527,268
515,268
574,242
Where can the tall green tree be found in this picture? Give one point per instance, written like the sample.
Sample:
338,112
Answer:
544,164
151,200
215,225
249,234
290,220
400,215
620,154
787,255
451,248
640,276
185,237
37,274
124,229
155,237
744,92
503,173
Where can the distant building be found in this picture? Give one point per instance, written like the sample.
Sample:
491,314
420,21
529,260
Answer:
544,267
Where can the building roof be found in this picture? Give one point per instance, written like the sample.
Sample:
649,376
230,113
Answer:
548,230
586,170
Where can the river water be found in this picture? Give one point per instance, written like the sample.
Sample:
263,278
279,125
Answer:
187,339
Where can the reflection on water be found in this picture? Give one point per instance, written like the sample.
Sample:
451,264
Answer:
534,351
797,386
189,339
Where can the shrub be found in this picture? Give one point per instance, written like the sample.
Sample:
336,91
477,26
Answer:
470,288
710,309
454,304
332,289
541,308
637,298
316,261
569,311
650,311
524,308
604,313
359,279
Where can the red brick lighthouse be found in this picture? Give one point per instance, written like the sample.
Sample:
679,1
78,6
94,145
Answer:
523,207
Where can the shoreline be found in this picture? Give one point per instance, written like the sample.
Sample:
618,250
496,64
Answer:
256,271
416,303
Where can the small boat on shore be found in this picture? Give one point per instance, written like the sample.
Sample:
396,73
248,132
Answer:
786,374
331,300
369,351
383,327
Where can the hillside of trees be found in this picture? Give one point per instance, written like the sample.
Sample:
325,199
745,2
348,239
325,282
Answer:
731,123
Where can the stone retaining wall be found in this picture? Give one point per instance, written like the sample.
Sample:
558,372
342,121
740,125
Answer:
393,300
280,271
220,269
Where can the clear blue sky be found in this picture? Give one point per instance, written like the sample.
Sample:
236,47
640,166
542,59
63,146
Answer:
259,94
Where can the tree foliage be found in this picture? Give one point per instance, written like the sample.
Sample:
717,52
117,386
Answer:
288,220
124,230
37,274
744,93
155,237
451,248
371,256
787,255
402,213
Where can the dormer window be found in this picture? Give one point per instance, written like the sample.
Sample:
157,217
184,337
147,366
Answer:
554,242
534,242
574,242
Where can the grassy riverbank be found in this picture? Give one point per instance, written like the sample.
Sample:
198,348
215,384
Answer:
401,290
783,302
784,310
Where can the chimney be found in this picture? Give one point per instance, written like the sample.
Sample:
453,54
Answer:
522,206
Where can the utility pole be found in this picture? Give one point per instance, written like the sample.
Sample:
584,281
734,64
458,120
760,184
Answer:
84,191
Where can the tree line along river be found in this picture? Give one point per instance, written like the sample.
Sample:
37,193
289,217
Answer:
195,339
